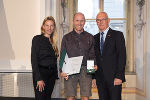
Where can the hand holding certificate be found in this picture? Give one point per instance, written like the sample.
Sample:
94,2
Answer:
70,65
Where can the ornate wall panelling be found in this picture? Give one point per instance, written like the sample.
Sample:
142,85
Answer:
140,45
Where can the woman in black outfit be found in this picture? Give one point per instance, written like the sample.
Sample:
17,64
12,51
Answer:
44,55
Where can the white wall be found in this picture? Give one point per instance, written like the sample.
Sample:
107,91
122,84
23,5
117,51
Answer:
19,22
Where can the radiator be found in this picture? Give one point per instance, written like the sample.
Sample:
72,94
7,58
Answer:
20,85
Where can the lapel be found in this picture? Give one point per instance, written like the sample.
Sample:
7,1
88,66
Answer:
107,39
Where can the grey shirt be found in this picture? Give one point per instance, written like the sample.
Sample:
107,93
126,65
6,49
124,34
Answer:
79,45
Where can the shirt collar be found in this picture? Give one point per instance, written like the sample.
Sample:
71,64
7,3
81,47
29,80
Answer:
77,33
105,32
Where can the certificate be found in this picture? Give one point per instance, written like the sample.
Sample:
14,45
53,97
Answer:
72,65
90,65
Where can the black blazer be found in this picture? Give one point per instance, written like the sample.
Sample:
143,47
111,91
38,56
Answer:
43,56
111,63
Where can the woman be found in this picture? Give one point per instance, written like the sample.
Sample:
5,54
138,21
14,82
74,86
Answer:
44,55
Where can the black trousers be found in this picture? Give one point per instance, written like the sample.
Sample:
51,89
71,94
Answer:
49,77
107,91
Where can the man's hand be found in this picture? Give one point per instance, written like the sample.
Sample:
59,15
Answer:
117,81
95,67
64,75
40,85
94,83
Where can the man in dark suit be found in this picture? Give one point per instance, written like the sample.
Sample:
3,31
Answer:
110,53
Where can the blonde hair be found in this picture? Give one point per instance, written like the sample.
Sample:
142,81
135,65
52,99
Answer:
53,36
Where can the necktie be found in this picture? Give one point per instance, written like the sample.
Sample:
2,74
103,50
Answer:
102,42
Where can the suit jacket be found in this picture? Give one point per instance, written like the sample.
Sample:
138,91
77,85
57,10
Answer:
111,63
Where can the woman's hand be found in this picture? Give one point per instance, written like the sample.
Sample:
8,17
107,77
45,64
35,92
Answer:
40,85
64,75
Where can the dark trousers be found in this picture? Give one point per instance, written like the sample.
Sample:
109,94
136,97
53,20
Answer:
109,91
49,79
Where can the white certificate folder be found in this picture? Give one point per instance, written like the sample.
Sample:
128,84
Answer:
70,65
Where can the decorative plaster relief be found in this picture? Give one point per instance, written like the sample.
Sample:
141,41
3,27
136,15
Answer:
64,24
140,23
